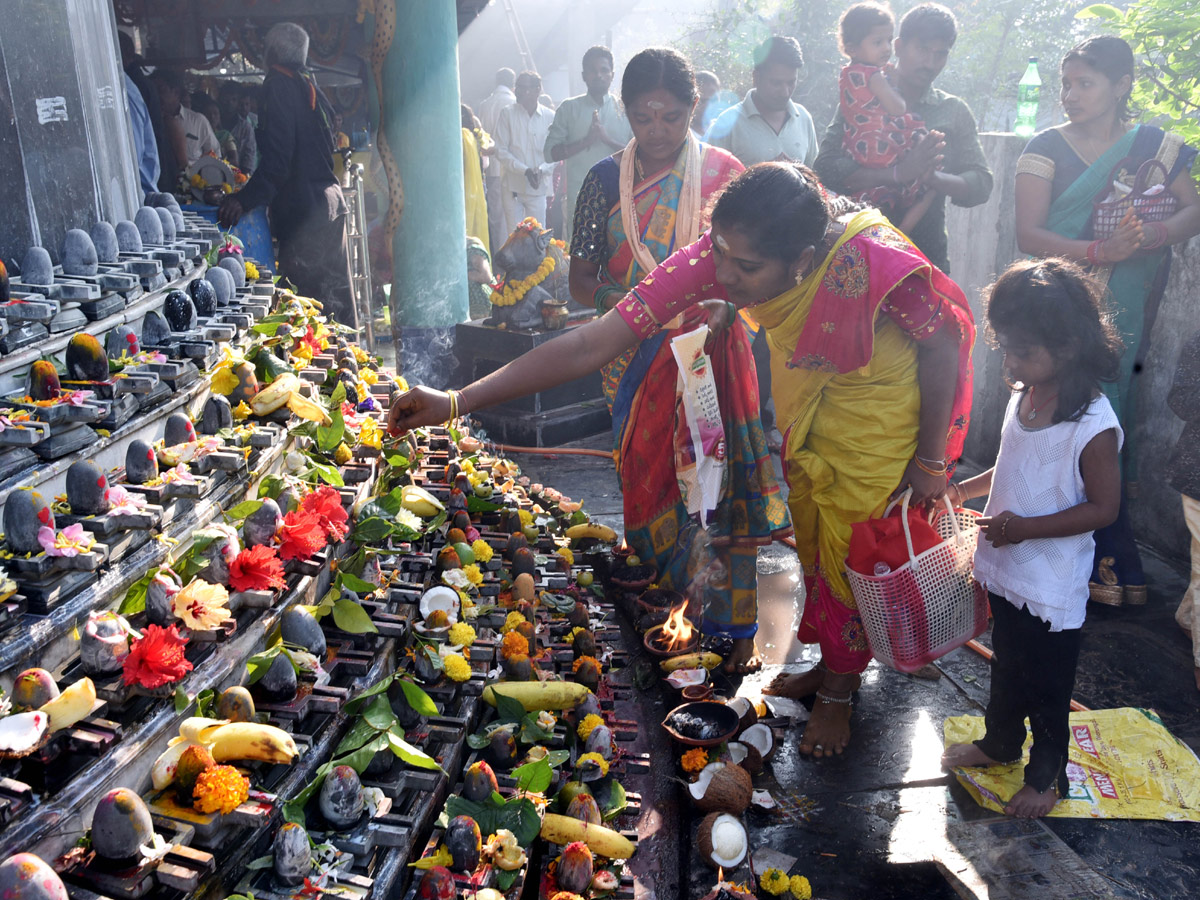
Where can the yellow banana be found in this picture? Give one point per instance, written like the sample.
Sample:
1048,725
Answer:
309,409
251,740
600,840
275,394
195,729
537,695
71,705
420,501
691,661
592,530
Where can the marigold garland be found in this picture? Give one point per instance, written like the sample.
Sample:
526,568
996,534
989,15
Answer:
600,761
588,661
511,621
513,644
220,789
515,291
800,887
694,760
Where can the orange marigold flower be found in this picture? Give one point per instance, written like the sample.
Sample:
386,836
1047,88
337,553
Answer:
588,661
156,658
326,503
220,789
694,760
301,535
256,569
514,644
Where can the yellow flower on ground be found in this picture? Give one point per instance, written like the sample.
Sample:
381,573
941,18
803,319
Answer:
588,725
511,621
526,517
574,633
360,390
482,550
600,762
694,760
473,574
457,668
201,605
774,882
220,789
566,554
241,411
461,635
303,353
800,887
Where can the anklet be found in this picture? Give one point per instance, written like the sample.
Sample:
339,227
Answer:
825,698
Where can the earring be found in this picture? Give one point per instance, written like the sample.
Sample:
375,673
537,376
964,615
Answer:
800,275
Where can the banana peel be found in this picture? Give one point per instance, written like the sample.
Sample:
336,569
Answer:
226,741
274,395
71,705
536,696
706,659
307,408
419,501
600,840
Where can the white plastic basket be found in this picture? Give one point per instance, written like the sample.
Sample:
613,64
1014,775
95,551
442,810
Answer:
930,605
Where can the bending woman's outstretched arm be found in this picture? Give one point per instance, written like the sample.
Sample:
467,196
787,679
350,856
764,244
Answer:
576,353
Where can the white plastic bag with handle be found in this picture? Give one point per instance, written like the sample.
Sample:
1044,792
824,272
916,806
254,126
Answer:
700,461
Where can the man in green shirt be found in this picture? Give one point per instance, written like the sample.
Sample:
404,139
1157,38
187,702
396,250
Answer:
948,160
586,129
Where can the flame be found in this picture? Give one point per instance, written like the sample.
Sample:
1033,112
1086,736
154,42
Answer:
677,631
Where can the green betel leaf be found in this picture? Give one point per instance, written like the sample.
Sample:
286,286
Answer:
271,486
356,584
267,328
257,665
479,505
521,817
329,436
534,777
182,701
508,709
420,701
378,714
338,397
359,734
371,531
328,474
414,756
478,741
352,707
361,758
614,804
351,617
243,510
135,597
556,758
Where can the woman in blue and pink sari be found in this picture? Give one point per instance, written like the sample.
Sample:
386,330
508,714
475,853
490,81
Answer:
1061,174
635,208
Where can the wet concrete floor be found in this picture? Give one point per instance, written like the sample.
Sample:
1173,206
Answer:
884,821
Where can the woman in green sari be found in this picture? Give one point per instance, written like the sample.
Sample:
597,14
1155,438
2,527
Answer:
1061,174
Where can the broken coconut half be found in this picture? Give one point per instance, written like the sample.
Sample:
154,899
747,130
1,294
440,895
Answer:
22,733
722,788
722,840
745,712
440,597
759,737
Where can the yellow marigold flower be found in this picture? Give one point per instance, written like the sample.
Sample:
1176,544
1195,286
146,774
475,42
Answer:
370,434
220,789
774,882
241,411
201,605
574,633
461,634
526,517
342,454
251,271
585,661
468,466
600,761
588,725
566,554
511,621
482,550
473,574
514,644
694,760
361,355
360,391
457,668
800,887
369,376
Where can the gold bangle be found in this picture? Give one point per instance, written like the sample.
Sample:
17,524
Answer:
927,469
453,405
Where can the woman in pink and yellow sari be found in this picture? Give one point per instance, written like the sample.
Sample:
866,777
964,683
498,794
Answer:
870,365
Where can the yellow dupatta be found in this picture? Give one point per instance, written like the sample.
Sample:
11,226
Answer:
847,436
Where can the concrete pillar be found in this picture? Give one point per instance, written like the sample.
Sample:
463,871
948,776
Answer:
421,96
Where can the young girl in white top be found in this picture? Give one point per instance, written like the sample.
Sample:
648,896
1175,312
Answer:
1056,480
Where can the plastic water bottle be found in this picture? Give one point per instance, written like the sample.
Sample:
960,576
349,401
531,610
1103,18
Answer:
882,568
1028,90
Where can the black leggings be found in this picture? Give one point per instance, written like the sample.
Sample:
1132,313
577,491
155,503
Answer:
1033,674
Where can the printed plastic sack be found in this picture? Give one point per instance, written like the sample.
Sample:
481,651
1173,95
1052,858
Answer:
699,460
882,541
1122,764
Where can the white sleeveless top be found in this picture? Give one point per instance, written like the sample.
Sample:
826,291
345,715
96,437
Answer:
1037,474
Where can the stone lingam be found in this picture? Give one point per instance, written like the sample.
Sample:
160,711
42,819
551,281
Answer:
66,412
174,332
161,486
203,455
25,313
107,510
213,324
81,268
40,549
135,259
88,370
140,370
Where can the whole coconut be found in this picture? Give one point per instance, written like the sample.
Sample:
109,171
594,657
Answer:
729,791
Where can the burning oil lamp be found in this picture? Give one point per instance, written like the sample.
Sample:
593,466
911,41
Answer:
674,637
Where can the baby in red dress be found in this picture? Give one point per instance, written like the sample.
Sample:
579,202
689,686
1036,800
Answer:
879,130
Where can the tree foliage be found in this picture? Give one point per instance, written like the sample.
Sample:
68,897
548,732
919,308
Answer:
1165,37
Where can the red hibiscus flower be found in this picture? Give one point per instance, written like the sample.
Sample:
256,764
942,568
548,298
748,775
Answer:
301,535
309,337
326,504
156,658
256,569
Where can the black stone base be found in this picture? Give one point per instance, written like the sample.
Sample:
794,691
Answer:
547,429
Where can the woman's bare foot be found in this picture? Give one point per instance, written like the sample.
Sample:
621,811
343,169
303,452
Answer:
828,729
795,685
744,658
966,755
1027,803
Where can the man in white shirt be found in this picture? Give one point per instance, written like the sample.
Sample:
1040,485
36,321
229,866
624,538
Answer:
520,147
586,129
489,114
767,125
182,123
